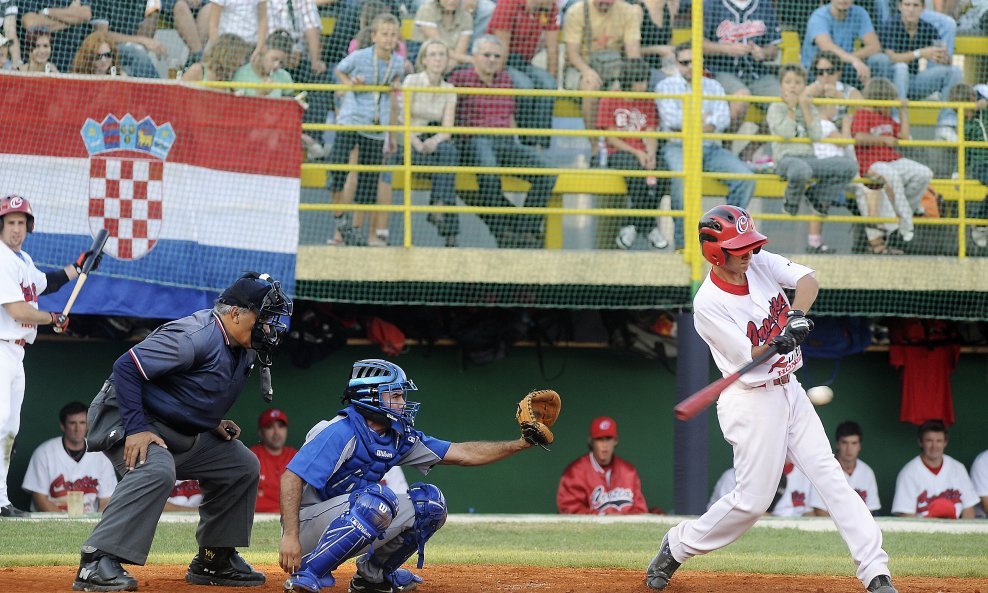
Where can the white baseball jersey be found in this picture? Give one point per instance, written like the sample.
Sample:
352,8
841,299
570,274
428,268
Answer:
862,479
19,281
917,487
724,485
793,502
53,472
979,477
731,319
186,493
395,480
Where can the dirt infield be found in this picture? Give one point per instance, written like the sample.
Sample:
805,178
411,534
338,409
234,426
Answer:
483,578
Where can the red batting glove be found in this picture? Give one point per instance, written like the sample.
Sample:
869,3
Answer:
59,322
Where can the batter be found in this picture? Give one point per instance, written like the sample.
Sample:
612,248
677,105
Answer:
741,311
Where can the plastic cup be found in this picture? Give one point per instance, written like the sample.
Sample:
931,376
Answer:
75,503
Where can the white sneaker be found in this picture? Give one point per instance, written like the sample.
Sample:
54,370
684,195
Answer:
626,237
656,240
979,235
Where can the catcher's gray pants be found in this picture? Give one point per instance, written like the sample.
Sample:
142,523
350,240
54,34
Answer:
314,519
227,472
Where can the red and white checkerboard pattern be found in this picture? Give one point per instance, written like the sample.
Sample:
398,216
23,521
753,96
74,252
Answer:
125,198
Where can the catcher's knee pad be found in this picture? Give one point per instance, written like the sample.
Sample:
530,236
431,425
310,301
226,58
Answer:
429,505
371,511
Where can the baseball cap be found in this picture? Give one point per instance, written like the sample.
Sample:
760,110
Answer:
270,416
246,292
603,427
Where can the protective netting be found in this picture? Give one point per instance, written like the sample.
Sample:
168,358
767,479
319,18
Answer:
518,153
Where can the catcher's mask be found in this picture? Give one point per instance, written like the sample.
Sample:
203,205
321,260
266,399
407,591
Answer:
373,385
728,230
261,294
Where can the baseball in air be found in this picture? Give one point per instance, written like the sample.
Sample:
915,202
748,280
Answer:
820,395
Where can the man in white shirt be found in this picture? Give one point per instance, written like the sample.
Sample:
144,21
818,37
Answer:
979,476
858,473
934,485
716,119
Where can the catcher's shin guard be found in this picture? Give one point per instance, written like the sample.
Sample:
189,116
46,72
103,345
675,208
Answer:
430,515
370,514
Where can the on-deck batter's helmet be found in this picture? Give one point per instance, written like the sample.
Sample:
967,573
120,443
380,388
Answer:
15,203
728,229
262,294
373,378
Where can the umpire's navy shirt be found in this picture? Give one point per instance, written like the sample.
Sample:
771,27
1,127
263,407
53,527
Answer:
192,374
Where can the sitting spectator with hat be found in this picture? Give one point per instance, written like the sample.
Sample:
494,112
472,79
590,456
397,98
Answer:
274,455
600,482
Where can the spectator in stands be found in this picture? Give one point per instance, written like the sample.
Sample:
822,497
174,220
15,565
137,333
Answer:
634,153
377,65
480,111
876,135
349,23
827,84
933,13
446,21
6,62
596,34
933,484
185,497
740,37
859,474
221,61
300,19
906,38
836,27
66,23
273,455
61,465
266,66
429,109
132,32
8,15
716,118
482,11
97,56
656,43
247,19
979,477
38,45
600,482
797,117
520,25
975,130
369,12
191,21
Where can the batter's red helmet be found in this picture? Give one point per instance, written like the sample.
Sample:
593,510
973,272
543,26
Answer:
15,203
728,229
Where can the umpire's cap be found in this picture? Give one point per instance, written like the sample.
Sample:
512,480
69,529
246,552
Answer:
247,292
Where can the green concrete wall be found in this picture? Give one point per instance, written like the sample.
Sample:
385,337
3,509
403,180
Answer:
478,403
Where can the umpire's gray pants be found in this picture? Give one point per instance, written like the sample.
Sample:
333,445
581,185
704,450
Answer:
227,472
314,519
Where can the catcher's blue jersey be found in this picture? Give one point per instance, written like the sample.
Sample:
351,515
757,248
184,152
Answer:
725,22
344,454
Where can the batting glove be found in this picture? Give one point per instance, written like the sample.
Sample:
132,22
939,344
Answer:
798,325
59,322
82,260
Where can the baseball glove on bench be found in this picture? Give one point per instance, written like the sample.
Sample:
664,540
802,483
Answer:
536,414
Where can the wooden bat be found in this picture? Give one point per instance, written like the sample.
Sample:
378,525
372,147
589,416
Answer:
97,248
699,401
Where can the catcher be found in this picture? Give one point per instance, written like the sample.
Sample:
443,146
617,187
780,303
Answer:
333,506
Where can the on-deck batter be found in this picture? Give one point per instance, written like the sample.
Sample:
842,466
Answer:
740,311
20,286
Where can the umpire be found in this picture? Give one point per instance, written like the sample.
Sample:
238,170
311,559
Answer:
160,417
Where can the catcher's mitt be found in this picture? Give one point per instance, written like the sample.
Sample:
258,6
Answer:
536,414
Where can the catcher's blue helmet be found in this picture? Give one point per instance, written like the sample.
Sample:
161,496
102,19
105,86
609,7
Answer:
372,382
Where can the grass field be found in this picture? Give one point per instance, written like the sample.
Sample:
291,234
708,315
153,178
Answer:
552,543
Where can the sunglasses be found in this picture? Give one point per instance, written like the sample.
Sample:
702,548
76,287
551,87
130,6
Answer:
104,55
685,62
826,71
491,55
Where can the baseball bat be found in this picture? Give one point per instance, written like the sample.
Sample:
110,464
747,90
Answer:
99,242
699,401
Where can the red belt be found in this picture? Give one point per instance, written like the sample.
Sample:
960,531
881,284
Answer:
21,343
781,380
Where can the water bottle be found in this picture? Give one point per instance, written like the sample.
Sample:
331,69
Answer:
602,152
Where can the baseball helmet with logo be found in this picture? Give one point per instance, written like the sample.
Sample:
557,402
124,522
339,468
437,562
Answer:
728,230
369,389
15,203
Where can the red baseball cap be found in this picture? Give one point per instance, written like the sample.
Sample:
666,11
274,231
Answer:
603,427
270,416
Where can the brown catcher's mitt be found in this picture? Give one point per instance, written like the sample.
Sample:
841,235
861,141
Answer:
536,414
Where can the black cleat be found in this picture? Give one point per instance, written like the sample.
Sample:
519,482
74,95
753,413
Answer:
99,571
662,567
881,584
222,566
12,512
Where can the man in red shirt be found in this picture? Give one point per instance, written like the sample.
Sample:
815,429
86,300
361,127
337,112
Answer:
498,111
274,455
600,482
520,25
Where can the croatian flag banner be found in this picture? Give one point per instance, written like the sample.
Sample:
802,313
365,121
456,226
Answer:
195,186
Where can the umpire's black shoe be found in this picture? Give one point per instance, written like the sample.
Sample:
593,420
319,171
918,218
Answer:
662,567
881,584
12,512
222,566
99,571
